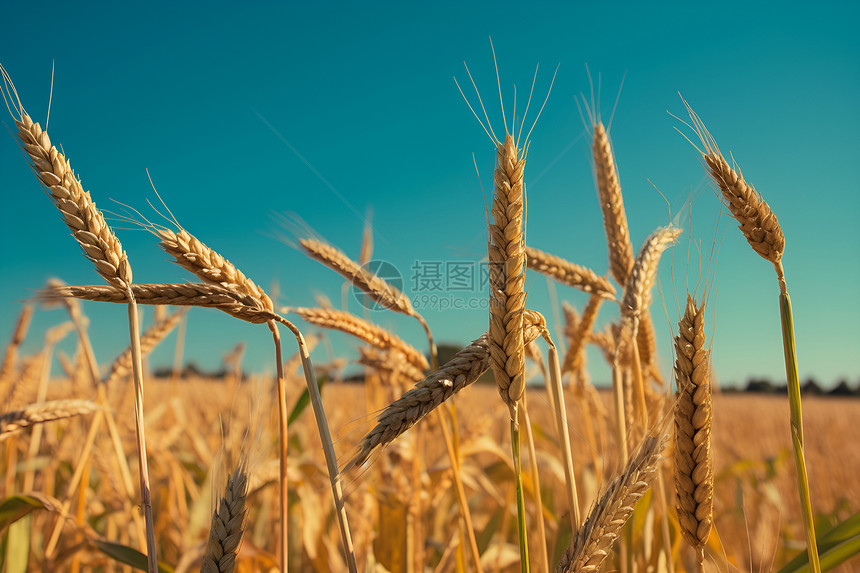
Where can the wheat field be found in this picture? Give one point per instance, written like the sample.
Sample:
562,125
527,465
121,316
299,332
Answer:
499,455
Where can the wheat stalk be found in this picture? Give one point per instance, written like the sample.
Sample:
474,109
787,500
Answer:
148,341
228,524
42,412
361,329
612,205
568,273
694,473
593,541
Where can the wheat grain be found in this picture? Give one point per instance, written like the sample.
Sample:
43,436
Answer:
694,477
43,412
568,273
228,524
574,359
391,361
593,541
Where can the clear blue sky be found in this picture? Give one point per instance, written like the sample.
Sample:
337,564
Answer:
326,110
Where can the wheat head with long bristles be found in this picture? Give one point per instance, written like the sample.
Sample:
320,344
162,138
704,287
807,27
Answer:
43,412
507,275
594,540
694,472
462,370
568,273
755,218
194,256
612,205
370,333
239,305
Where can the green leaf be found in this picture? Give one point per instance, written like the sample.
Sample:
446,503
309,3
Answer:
127,555
303,402
14,508
834,547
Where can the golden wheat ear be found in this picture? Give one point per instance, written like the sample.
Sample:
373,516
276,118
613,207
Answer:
694,473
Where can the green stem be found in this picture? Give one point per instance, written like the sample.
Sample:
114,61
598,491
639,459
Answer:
797,426
521,506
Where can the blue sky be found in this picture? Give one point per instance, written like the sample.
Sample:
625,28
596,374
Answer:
323,111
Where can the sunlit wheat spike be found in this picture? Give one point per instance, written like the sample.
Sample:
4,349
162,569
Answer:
361,329
388,361
379,290
637,290
756,220
507,263
43,412
594,540
568,273
239,305
194,256
228,524
694,475
462,370
574,359
612,206
79,212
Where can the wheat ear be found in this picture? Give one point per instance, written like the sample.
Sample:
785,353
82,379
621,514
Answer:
238,305
462,370
370,333
8,370
228,525
694,473
507,274
79,212
378,289
593,541
43,412
194,256
568,273
755,218
612,206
